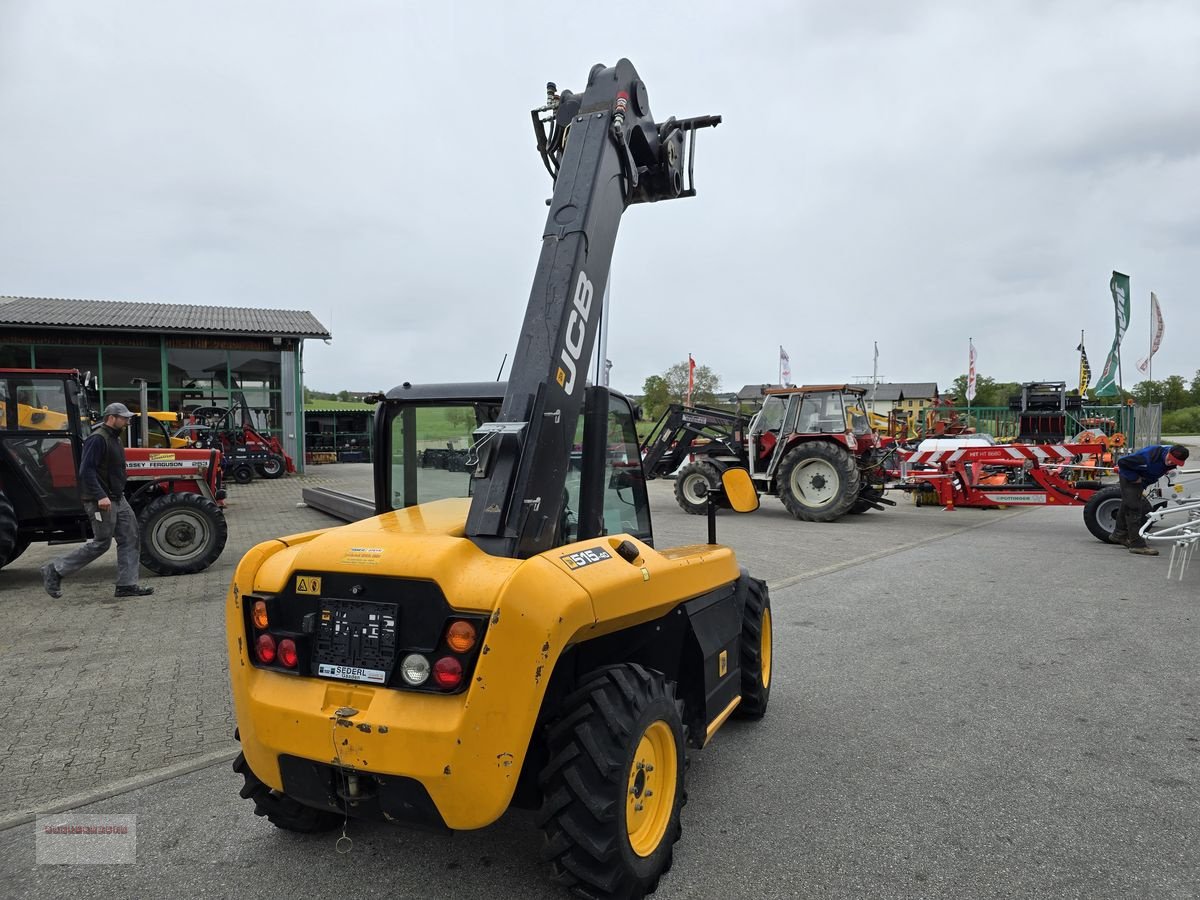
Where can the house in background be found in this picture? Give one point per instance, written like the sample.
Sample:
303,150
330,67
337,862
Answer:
911,397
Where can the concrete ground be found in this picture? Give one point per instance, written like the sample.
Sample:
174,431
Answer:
966,704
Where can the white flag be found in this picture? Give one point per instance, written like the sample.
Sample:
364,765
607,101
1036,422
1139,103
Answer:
785,366
1157,324
971,372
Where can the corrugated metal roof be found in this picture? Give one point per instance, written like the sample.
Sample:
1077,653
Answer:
909,390
188,317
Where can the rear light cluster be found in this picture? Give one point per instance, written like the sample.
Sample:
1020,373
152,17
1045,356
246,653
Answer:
271,649
445,671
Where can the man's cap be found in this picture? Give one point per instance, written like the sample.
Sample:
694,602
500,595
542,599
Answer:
1179,451
117,409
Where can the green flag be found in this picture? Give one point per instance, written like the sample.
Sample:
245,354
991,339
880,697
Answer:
1106,384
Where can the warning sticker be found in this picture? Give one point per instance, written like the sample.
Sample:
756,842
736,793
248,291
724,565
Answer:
308,584
363,556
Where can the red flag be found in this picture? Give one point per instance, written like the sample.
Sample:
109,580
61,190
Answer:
691,377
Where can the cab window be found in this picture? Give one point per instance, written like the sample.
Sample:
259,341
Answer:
431,451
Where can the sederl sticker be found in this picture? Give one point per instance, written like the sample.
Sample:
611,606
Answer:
586,557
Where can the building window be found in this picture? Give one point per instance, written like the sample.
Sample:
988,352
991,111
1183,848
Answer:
121,366
85,359
15,356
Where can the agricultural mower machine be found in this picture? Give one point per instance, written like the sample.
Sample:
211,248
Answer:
812,447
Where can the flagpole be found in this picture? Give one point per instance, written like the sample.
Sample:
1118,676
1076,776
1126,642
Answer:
1082,389
780,381
970,343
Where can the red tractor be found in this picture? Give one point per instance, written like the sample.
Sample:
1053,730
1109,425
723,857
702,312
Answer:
175,493
811,446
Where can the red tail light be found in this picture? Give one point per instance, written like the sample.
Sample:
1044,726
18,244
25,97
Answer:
264,648
447,672
287,653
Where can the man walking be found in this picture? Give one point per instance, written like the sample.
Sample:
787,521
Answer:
102,489
1136,472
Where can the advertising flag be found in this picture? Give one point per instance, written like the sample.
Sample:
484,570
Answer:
971,371
1156,328
785,366
691,378
1106,384
1085,371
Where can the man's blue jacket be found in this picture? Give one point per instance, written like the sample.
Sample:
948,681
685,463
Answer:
1146,465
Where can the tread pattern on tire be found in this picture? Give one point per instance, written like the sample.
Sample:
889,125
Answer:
280,809
216,522
754,694
8,531
586,774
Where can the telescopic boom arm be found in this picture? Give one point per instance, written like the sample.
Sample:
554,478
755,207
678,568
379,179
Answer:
604,151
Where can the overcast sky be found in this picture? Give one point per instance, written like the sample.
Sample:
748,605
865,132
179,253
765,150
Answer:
912,173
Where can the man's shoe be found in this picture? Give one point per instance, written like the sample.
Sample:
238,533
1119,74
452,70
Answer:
51,580
1144,551
1119,537
135,590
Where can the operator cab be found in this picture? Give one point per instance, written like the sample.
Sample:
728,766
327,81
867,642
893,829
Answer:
429,449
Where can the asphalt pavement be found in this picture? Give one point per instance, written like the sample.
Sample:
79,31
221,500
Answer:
966,704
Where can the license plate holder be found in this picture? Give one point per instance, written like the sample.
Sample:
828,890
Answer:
356,641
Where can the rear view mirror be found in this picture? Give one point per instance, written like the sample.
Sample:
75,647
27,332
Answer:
739,489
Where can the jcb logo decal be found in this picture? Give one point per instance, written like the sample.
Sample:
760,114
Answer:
308,584
576,330
586,557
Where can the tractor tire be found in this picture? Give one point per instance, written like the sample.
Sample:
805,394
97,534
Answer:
274,467
242,473
755,650
181,533
614,784
689,487
8,533
1101,511
819,481
280,809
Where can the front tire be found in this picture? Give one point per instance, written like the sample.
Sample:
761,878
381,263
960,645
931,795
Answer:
614,785
756,648
181,533
280,809
692,484
819,481
274,467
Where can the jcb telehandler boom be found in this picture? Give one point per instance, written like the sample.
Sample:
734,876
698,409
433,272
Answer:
504,631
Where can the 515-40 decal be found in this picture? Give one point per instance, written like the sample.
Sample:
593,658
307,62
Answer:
582,558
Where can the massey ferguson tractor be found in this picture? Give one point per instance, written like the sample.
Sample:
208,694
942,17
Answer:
175,493
505,632
812,447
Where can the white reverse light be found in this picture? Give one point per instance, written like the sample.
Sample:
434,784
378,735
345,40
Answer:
415,669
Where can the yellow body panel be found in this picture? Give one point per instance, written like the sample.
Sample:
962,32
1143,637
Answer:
467,749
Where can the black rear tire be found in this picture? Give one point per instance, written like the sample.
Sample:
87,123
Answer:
280,809
1101,511
8,532
756,648
819,481
608,832
689,484
274,467
243,473
181,533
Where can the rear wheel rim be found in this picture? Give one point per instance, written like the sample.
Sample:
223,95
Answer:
650,794
1107,514
815,482
764,647
181,536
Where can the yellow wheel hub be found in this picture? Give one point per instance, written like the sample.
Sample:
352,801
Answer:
650,797
764,649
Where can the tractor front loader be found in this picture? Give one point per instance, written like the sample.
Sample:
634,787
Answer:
505,632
